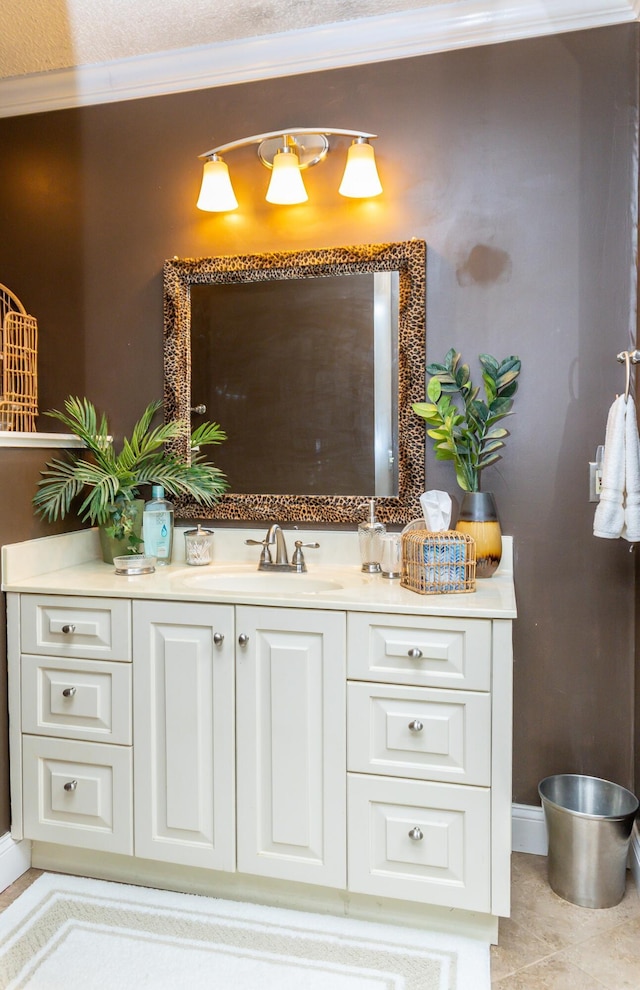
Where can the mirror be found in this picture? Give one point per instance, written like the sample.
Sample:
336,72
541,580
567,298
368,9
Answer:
326,348
310,362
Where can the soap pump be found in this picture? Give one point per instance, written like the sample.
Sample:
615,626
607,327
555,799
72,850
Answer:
370,536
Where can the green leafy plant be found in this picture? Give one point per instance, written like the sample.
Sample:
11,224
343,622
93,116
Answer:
109,481
463,425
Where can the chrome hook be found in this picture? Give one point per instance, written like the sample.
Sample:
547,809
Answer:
627,368
629,358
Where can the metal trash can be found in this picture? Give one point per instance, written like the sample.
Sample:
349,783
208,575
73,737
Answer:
589,823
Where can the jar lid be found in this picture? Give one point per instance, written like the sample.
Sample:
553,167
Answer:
198,532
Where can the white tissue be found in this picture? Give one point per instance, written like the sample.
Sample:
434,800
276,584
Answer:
436,508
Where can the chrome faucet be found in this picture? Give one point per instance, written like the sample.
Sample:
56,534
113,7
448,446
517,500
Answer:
275,537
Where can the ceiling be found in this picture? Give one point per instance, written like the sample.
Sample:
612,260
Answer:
43,35
65,53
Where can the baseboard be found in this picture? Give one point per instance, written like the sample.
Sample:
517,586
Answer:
15,859
528,829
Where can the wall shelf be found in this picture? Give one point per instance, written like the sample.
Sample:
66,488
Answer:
13,438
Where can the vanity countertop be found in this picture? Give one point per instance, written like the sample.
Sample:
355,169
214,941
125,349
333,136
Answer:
70,565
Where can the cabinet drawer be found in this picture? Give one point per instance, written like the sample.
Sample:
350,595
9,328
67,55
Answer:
98,628
78,793
421,650
419,732
77,699
420,841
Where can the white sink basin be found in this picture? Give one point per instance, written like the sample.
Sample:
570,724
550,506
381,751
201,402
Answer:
263,583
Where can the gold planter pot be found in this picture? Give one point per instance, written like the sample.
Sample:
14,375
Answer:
479,519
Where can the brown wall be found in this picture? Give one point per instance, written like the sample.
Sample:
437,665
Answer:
517,164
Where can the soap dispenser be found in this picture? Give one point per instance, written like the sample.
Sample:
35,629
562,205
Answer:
370,535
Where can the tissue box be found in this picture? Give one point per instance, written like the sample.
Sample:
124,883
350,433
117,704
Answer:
438,563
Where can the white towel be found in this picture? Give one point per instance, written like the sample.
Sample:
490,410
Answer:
631,528
618,512
608,521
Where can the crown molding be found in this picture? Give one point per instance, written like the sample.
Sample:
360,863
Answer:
438,28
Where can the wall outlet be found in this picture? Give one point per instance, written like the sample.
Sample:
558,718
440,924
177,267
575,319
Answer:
595,481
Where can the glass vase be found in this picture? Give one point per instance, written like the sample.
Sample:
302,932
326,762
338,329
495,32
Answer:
122,532
479,519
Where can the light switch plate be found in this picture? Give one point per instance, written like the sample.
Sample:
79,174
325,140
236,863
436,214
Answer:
595,481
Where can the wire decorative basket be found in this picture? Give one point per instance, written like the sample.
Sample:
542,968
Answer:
438,563
18,365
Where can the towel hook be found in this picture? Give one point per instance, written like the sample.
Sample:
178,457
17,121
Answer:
627,369
629,358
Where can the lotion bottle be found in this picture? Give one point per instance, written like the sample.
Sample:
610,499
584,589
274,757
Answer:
157,526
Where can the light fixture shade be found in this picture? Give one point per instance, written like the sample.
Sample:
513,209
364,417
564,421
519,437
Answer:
360,179
286,187
216,191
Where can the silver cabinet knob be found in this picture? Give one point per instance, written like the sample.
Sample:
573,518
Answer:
71,785
243,639
414,653
68,692
416,834
416,725
218,638
69,628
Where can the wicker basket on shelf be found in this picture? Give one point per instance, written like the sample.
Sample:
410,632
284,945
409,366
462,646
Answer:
438,563
18,365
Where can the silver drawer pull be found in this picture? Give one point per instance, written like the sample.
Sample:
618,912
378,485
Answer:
243,639
71,785
416,834
68,692
416,725
414,653
69,628
218,639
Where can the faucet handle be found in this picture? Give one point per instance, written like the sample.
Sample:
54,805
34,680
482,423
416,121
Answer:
298,557
265,556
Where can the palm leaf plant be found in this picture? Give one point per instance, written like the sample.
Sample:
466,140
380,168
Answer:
464,425
107,482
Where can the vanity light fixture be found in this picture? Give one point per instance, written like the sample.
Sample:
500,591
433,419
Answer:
287,153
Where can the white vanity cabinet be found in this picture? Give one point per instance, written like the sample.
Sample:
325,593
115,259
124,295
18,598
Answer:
75,690
347,751
282,742
419,744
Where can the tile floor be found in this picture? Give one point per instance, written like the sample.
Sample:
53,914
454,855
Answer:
550,944
547,944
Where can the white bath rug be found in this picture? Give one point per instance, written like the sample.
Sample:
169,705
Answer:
71,933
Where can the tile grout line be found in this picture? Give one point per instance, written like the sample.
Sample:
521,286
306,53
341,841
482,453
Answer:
557,952
542,959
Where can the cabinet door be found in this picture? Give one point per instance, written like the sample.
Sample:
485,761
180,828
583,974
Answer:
291,779
184,733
